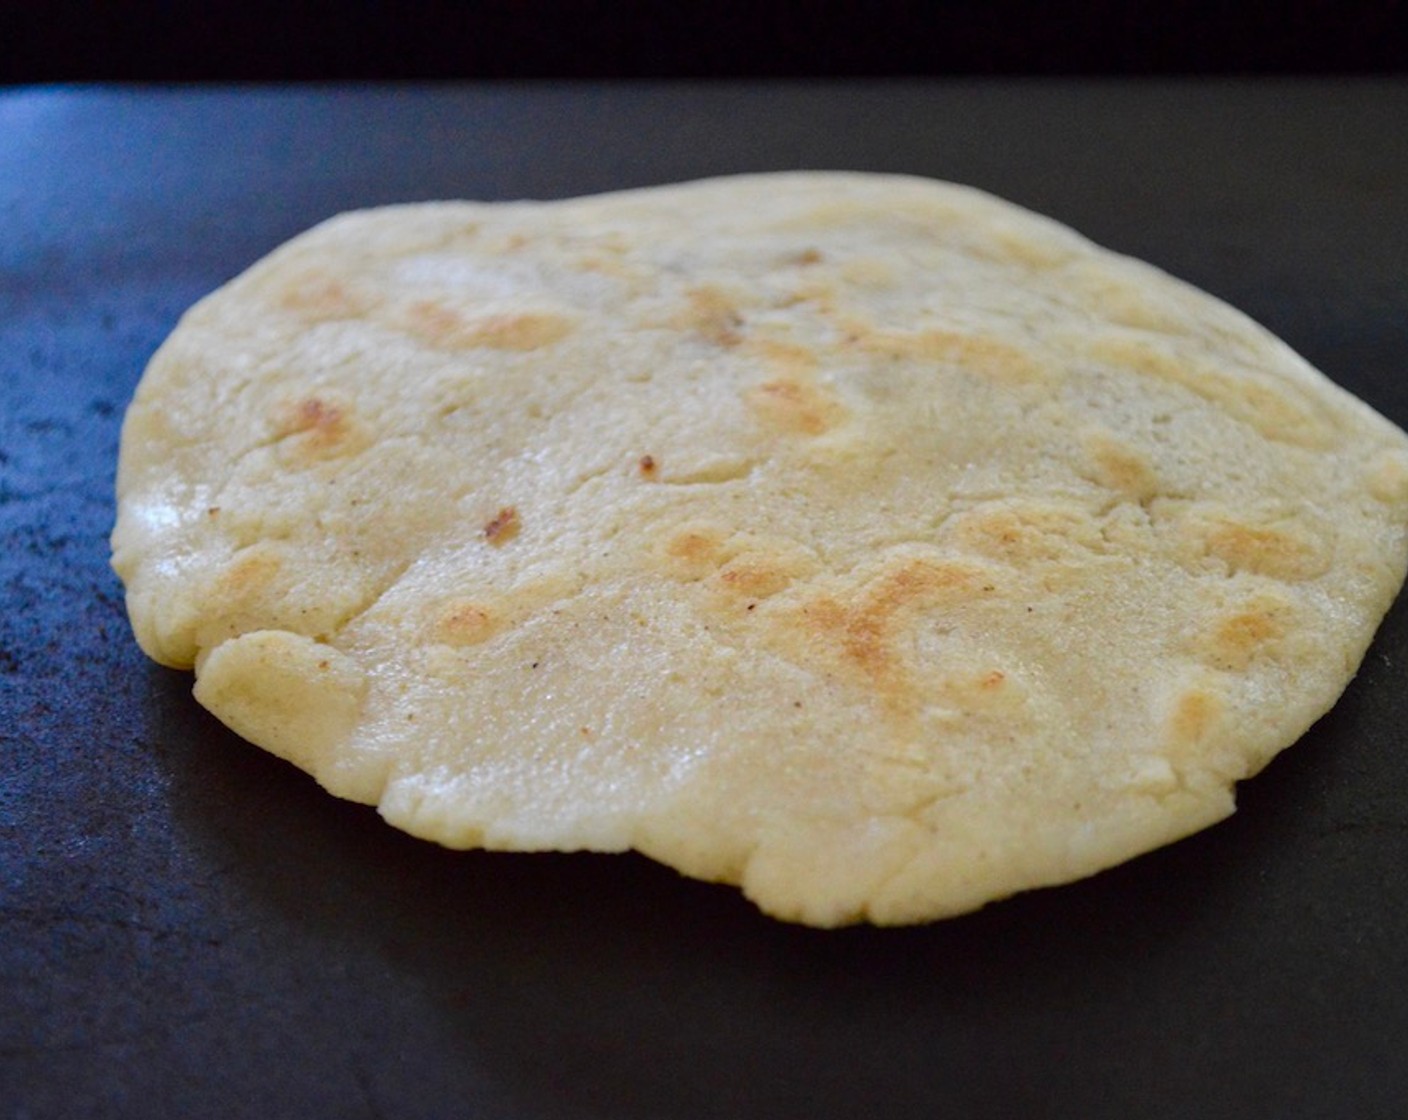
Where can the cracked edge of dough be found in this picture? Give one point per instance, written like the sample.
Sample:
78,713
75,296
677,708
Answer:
297,698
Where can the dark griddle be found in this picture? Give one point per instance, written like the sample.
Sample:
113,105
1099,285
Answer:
191,928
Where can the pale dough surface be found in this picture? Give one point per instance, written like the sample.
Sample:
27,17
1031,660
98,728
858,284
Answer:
862,540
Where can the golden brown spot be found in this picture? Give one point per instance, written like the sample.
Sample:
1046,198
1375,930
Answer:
251,571
648,467
693,546
316,428
1126,307
789,358
918,579
1238,639
1388,477
695,553
503,526
318,297
307,414
737,566
806,257
250,592
987,357
1022,248
995,679
712,315
1265,551
260,588
528,331
463,622
1122,303
1243,630
435,323
317,414
447,329
861,627
1022,533
1118,296
1116,466
796,406
1195,714
755,577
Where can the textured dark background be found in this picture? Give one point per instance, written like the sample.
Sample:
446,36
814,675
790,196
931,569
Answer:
190,928
281,40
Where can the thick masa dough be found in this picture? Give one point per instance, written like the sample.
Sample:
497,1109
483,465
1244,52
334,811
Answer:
862,540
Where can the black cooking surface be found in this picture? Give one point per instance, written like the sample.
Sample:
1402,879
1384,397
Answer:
189,927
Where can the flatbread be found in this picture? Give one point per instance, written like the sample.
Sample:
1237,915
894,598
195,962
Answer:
862,540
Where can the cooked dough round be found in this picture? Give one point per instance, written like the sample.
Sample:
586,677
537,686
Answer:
862,540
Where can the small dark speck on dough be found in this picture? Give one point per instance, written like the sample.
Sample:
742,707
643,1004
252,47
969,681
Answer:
503,527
